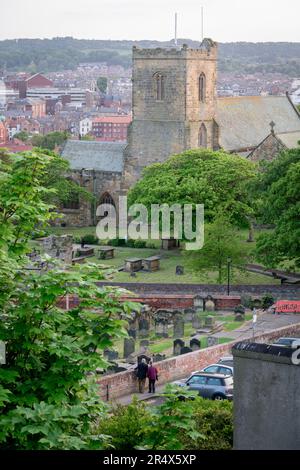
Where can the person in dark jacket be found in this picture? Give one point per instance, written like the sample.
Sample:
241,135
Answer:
152,376
141,373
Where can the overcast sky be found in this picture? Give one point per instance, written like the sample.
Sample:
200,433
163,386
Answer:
225,20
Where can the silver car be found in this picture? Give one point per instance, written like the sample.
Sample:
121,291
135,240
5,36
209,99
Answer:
213,386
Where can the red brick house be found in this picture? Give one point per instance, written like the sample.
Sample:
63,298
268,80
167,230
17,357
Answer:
111,128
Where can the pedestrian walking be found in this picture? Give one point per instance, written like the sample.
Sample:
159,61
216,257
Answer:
152,376
141,373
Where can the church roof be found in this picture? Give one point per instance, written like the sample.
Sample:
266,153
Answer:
100,156
290,139
244,121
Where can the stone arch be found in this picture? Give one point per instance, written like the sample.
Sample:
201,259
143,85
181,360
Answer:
106,198
202,138
202,88
159,86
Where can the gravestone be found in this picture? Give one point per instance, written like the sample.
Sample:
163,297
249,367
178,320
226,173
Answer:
111,355
195,344
185,350
178,326
161,328
178,344
188,314
129,346
210,305
132,333
212,341
198,303
197,321
143,328
60,247
179,271
158,357
144,343
209,321
239,317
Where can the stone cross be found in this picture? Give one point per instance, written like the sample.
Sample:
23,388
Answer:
272,125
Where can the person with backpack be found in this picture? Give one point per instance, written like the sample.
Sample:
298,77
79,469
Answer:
141,372
152,376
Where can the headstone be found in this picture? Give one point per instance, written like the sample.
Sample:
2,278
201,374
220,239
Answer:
179,270
197,321
195,344
188,314
178,344
185,350
132,333
199,303
212,341
209,321
239,317
158,357
111,355
143,327
178,326
210,305
129,346
161,328
144,343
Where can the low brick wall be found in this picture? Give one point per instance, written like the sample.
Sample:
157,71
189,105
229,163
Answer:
182,301
178,367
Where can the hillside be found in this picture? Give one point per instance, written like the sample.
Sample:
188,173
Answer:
66,53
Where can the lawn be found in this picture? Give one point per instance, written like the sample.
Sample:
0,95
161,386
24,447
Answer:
168,263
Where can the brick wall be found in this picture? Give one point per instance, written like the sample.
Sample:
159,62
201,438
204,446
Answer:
181,366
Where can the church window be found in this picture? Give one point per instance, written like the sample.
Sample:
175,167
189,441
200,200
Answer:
203,136
202,87
159,85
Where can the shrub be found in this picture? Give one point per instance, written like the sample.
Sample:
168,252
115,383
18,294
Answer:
118,242
139,244
267,301
88,239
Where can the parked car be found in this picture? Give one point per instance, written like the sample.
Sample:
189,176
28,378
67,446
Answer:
227,360
213,386
287,342
216,369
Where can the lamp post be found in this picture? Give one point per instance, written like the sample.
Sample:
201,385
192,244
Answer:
229,260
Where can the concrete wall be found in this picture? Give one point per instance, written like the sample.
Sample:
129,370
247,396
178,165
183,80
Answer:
266,398
124,383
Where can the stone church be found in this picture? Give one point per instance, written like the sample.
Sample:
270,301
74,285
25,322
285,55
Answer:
175,108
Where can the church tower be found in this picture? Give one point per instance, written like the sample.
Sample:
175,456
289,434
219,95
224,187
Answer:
174,105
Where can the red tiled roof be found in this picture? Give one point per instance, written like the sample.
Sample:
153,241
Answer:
114,119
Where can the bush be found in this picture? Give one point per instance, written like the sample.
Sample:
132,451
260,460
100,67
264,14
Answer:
240,309
117,242
267,301
88,239
139,244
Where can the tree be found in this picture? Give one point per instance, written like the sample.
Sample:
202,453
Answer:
23,135
279,203
102,84
216,179
50,141
221,242
48,398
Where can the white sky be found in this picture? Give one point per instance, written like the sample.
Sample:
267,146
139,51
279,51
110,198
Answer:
225,20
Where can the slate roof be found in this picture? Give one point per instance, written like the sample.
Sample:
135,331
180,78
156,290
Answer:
244,121
101,156
290,139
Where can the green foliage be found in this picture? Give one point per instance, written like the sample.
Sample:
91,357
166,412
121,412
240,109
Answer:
221,242
50,141
279,202
24,136
216,179
88,239
48,397
267,301
188,423
102,84
126,425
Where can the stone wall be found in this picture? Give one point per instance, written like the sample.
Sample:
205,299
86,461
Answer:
267,398
178,367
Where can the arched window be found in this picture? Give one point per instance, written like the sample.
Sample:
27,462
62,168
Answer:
159,86
106,198
203,136
202,87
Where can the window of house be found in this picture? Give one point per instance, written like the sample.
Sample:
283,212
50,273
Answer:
202,137
202,87
159,86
